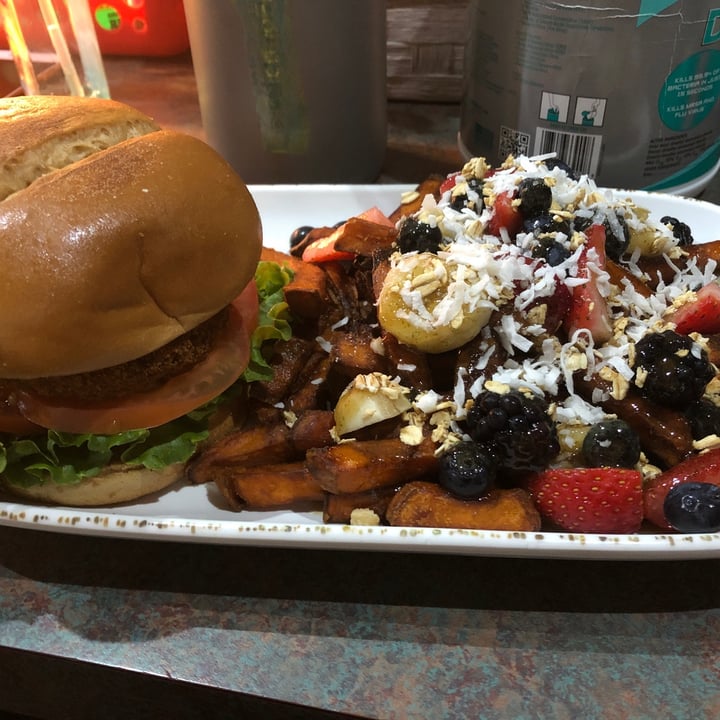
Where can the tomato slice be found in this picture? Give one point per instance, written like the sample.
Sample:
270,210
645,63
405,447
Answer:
182,394
12,422
247,303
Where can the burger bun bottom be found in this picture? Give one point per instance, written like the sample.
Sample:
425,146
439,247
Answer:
115,484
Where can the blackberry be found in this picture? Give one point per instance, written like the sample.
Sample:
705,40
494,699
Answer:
468,471
617,235
551,251
461,199
611,443
680,230
516,428
552,163
671,369
693,507
535,197
418,236
704,418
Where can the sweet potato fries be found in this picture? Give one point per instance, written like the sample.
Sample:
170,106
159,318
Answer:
287,453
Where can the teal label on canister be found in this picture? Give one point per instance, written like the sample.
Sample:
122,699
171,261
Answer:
628,93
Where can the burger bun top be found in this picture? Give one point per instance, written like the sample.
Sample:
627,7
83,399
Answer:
111,253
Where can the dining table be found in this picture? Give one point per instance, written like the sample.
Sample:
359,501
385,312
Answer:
109,626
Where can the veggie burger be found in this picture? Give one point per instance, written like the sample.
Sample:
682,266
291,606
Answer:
127,301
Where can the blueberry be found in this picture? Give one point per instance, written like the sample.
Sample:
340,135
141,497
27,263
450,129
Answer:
611,443
546,224
693,507
551,251
467,471
299,234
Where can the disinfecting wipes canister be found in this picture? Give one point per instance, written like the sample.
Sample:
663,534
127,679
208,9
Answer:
626,91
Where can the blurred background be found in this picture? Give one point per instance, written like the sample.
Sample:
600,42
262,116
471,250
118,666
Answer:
425,41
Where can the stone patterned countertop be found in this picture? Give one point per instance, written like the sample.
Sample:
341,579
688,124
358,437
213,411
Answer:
205,628
105,627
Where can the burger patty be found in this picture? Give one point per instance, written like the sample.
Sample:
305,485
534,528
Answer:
144,374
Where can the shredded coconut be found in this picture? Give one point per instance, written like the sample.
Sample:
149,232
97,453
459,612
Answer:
517,346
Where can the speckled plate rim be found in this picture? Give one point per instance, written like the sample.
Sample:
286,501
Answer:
283,532
193,514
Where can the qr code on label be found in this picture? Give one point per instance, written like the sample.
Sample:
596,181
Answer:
512,142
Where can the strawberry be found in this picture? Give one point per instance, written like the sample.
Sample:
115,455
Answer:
702,314
703,467
505,215
449,182
588,308
376,215
557,306
324,250
590,500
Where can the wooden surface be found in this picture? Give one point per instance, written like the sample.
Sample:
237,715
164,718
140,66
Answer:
426,49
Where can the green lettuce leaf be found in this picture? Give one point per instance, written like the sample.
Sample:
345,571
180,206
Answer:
273,319
69,457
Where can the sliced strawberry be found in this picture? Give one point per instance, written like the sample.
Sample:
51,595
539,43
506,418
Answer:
704,467
448,183
376,215
323,249
590,500
588,308
505,215
700,315
557,306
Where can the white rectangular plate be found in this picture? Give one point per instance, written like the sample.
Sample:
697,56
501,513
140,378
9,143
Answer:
197,514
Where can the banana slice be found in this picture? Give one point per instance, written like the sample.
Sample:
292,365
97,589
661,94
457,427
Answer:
647,236
430,304
369,399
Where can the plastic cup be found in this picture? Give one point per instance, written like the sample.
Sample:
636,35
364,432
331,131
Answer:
293,91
